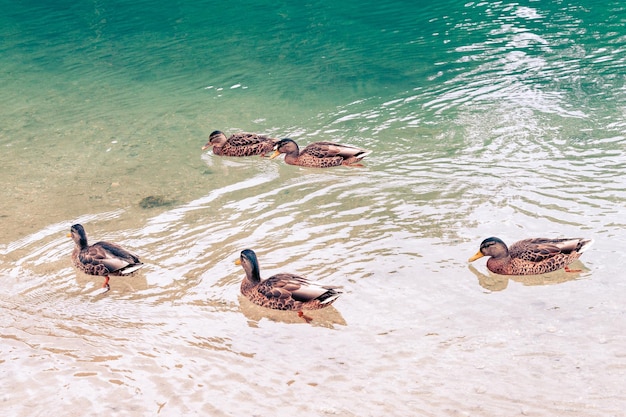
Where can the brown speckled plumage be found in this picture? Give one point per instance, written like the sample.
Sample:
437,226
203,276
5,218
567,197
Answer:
531,256
319,154
101,258
282,291
240,144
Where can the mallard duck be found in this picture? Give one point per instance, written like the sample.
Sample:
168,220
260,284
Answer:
101,258
282,291
531,256
319,154
240,144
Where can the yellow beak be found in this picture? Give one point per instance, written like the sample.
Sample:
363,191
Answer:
69,235
207,146
274,155
238,262
477,256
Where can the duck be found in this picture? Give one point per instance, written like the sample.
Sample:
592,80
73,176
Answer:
240,144
531,256
319,154
101,258
283,291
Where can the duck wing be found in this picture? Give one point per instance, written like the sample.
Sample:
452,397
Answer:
246,139
284,286
111,255
330,149
541,249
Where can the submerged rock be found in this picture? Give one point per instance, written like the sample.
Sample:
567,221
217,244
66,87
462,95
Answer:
153,201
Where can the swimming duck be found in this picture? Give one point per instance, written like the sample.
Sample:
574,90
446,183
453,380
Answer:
240,144
319,154
282,291
101,258
531,256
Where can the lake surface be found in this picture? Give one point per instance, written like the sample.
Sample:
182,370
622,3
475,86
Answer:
485,119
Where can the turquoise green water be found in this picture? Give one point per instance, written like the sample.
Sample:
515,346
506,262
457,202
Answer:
484,119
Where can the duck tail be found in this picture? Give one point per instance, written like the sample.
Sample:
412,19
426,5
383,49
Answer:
131,268
364,153
584,244
329,296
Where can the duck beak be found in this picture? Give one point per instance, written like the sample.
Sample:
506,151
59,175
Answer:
274,154
207,146
238,262
69,235
477,256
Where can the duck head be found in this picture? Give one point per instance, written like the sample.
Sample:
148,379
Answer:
492,246
217,138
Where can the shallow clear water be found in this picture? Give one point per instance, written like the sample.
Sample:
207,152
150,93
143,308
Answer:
484,119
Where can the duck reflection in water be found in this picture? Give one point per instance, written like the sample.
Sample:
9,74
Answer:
328,317
496,282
